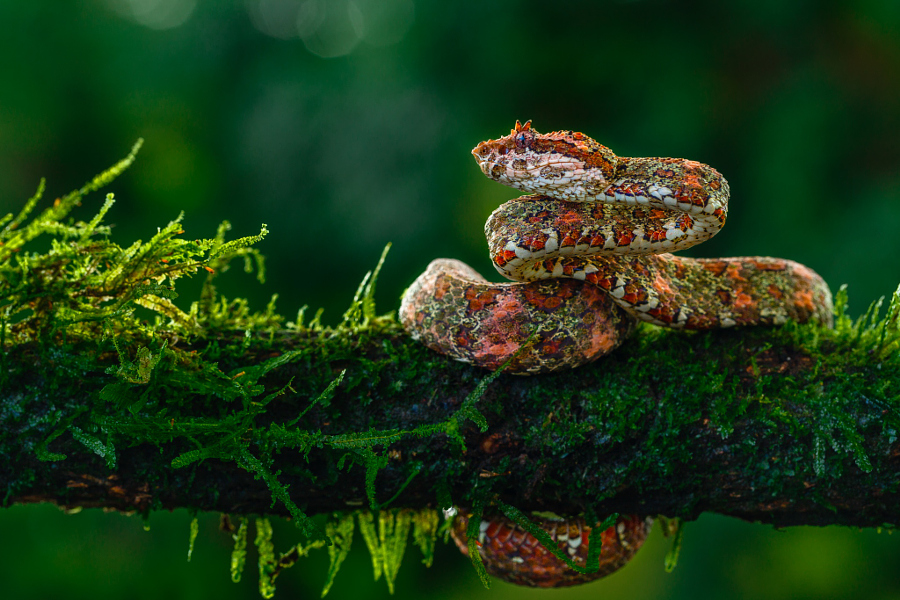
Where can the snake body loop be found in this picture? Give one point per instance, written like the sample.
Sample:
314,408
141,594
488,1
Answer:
609,221
511,553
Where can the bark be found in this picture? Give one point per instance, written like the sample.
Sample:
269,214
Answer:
778,426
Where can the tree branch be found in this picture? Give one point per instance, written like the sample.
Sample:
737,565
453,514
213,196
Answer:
787,426
218,408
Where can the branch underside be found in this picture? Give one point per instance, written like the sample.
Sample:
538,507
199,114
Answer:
758,424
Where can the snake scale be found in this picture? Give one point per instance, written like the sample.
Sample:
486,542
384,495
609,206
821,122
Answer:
514,555
590,249
591,217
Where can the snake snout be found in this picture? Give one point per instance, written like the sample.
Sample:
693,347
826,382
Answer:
484,150
492,169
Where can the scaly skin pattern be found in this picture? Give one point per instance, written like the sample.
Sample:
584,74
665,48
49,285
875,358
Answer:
610,221
454,310
514,555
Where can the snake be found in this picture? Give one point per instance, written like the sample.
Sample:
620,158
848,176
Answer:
511,553
589,251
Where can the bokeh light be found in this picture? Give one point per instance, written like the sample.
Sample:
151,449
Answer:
156,14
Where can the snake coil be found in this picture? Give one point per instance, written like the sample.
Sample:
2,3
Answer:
590,249
592,217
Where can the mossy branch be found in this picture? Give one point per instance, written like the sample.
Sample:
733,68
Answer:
216,407
755,424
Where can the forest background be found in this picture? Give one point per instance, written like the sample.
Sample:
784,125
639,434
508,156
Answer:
347,124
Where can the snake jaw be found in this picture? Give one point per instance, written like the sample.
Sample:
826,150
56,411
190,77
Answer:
554,174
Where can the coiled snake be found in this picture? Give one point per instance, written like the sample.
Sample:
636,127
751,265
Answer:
610,221
590,244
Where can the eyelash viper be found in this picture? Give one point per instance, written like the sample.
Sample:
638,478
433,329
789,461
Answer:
589,246
610,221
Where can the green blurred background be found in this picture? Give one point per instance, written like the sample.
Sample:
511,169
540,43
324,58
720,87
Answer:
346,124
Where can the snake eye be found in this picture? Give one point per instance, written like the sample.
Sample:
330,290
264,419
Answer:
522,140
503,150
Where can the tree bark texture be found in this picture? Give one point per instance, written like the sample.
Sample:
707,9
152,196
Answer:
767,425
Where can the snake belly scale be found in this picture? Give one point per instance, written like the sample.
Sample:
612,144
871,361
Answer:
610,222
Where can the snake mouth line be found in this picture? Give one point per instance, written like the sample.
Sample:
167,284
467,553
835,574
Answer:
486,166
535,177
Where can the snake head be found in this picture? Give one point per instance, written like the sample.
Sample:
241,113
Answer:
493,152
509,159
564,164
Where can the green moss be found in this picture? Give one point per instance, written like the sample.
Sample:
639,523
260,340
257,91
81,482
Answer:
673,528
340,531
425,528
239,552
192,538
87,288
267,563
